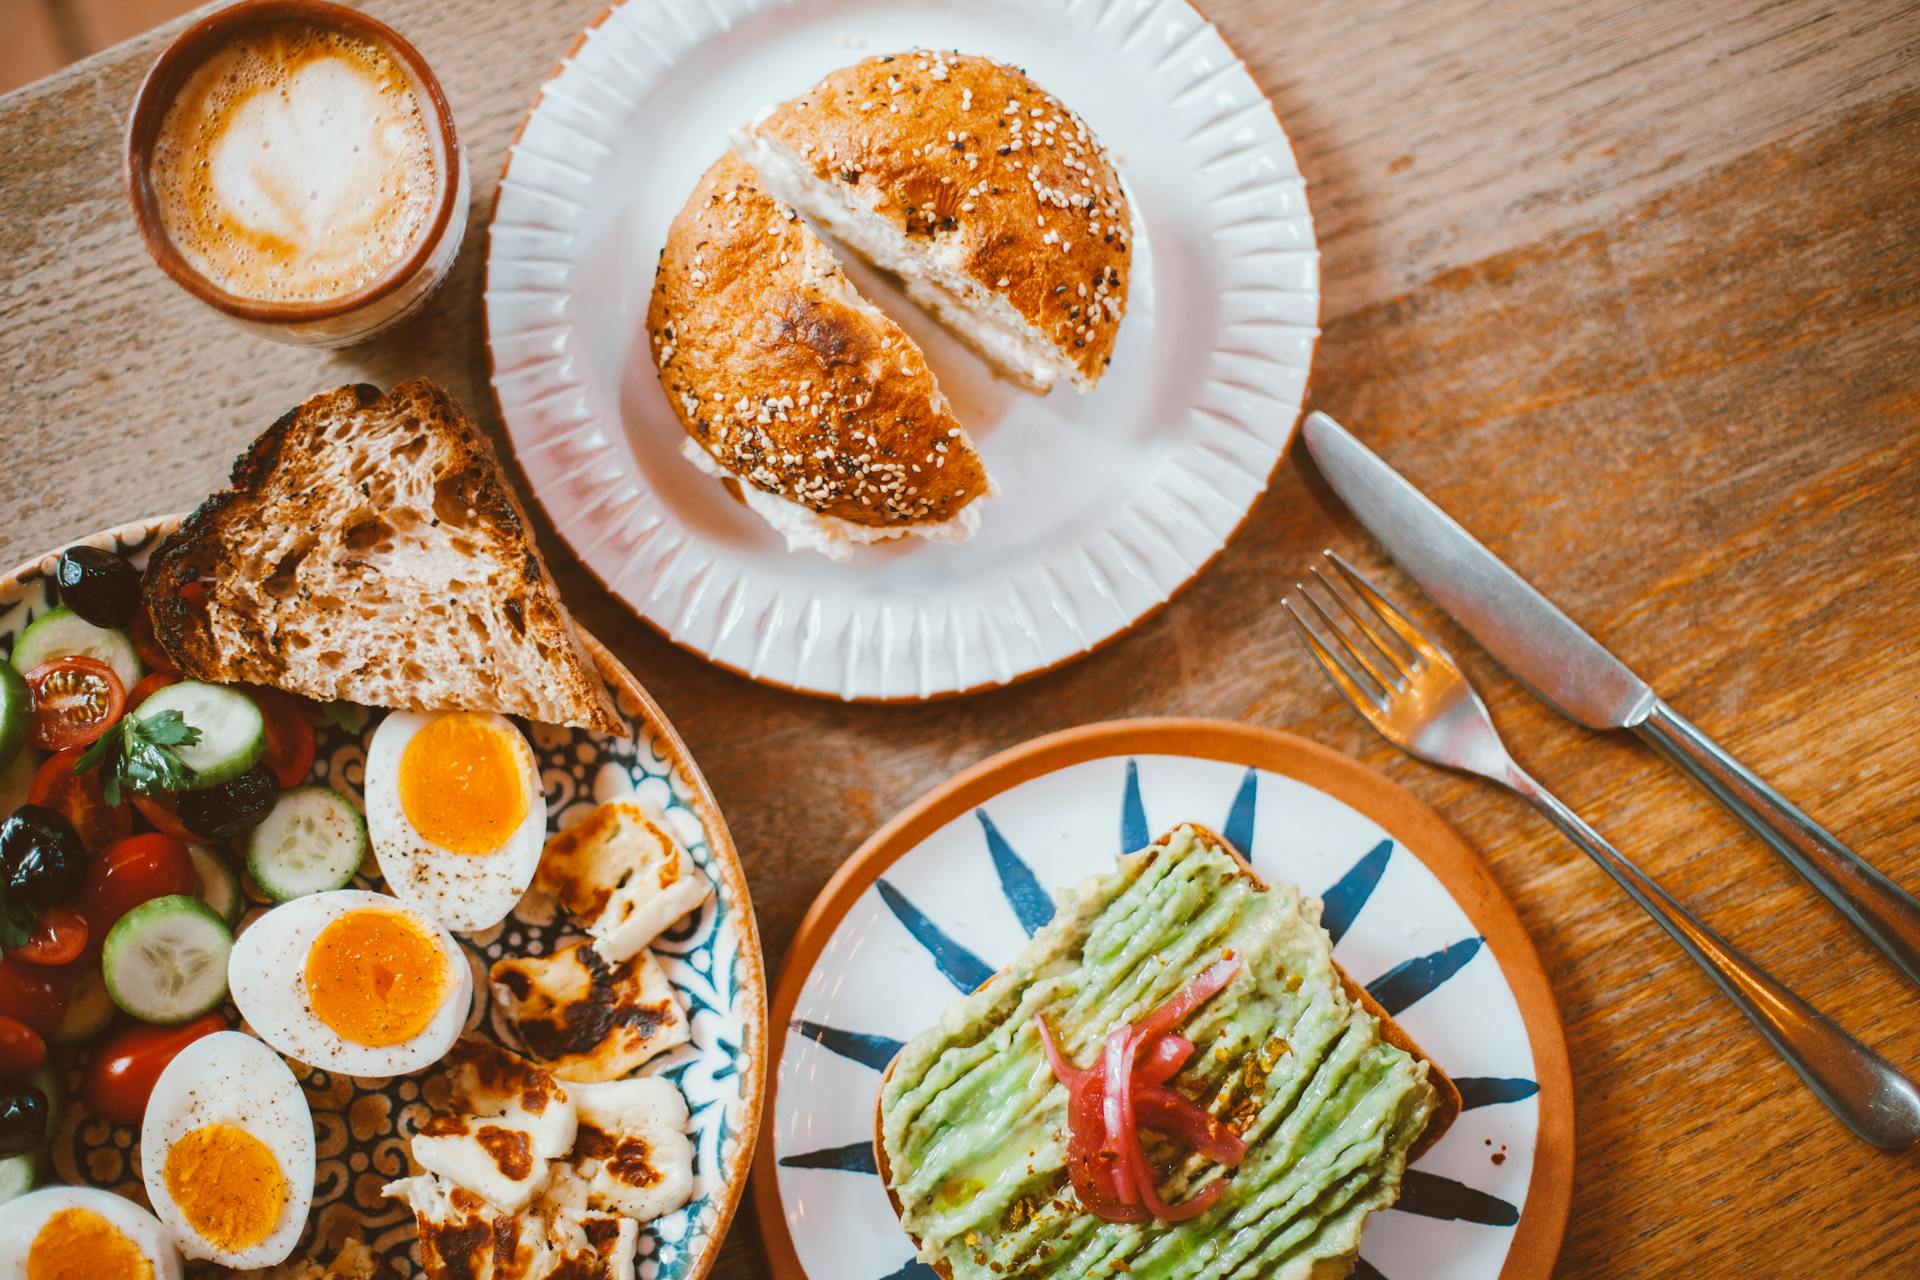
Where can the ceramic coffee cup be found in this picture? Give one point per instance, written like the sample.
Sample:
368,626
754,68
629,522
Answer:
293,164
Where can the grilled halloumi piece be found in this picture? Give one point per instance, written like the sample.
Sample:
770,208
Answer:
462,1237
621,874
632,1146
583,1018
504,1119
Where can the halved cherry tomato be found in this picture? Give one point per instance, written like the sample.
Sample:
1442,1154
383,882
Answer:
74,700
22,1049
78,797
120,1076
290,738
58,936
160,813
31,994
148,685
141,632
126,874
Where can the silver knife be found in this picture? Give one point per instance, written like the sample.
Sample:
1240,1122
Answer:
1572,673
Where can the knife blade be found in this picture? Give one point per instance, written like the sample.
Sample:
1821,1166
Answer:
1545,648
1576,675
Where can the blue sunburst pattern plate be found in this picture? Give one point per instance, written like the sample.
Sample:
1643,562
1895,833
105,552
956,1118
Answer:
947,893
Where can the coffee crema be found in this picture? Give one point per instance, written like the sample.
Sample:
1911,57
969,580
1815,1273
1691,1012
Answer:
295,164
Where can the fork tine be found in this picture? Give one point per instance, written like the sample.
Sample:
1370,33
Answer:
1402,666
1417,640
1366,703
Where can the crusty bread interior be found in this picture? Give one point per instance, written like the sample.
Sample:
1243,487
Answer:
371,550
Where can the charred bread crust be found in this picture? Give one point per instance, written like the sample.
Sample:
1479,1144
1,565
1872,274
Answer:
793,384
967,151
1446,1103
212,546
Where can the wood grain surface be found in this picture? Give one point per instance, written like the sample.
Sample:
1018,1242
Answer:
1629,288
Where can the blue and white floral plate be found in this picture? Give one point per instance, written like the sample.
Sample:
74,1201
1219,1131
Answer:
361,1126
944,895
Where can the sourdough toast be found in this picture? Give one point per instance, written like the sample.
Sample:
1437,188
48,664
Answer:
1446,1095
370,549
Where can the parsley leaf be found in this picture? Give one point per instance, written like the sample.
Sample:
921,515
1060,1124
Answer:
16,923
141,756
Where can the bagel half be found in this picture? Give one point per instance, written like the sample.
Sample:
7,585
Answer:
1443,1107
818,411
987,197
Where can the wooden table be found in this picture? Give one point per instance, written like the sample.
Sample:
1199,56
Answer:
1631,288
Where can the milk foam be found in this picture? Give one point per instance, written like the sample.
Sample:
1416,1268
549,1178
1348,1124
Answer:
296,164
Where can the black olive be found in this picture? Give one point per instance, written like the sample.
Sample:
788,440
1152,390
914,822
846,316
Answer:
236,805
98,585
23,1120
42,862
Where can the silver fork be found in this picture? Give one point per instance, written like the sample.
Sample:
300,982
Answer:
1411,691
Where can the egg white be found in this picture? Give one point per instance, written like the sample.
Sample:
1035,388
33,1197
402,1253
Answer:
231,1078
267,977
21,1220
463,891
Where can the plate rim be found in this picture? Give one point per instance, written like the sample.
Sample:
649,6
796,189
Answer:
1147,615
1412,823
719,841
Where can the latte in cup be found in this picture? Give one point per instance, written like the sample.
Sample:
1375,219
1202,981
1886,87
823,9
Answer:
293,166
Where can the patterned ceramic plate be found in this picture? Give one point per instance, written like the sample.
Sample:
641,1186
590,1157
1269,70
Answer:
1110,503
944,895
361,1126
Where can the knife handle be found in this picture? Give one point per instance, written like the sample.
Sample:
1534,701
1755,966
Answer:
1881,909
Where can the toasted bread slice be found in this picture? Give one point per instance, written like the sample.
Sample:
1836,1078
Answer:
1446,1101
371,550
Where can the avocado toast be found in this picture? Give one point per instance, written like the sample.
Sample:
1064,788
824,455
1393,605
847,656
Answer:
1322,1098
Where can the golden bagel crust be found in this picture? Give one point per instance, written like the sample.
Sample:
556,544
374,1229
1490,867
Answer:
960,148
778,369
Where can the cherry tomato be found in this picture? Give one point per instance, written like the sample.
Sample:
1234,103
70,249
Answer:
120,1076
290,738
22,1049
31,994
58,936
74,699
160,813
78,798
148,685
141,632
126,874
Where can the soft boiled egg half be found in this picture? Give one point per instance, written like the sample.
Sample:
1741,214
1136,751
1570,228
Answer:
352,981
226,1151
61,1233
455,813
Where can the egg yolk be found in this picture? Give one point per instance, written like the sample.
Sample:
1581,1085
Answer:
227,1185
79,1244
376,977
461,783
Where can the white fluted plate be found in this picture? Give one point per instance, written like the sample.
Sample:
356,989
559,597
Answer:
1109,503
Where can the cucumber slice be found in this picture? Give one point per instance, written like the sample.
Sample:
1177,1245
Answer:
59,632
16,779
233,733
166,960
89,1010
215,882
18,1174
312,841
14,702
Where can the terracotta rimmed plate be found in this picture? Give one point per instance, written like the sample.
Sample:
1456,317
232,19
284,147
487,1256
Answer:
946,892
713,960
1110,503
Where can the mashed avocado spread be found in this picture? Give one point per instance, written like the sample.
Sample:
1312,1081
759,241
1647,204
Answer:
973,1123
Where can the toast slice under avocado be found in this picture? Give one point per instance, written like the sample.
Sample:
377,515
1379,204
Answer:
371,550
1444,1107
